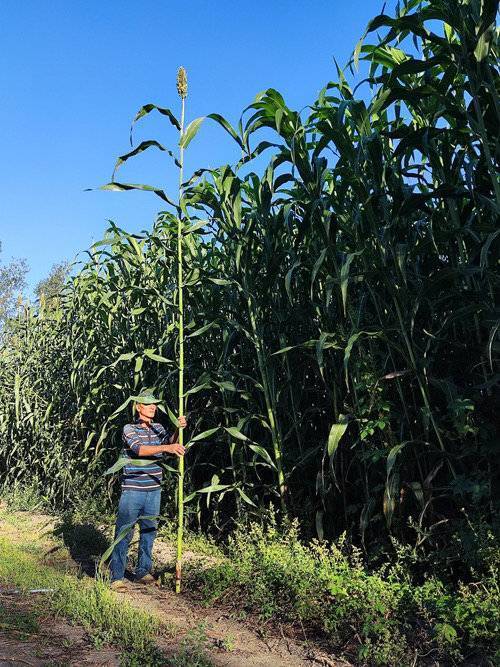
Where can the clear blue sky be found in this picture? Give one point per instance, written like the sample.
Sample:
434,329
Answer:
73,74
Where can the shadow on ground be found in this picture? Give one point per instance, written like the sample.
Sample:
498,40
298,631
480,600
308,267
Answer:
85,543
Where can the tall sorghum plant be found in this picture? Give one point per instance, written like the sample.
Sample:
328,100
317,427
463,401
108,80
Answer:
182,89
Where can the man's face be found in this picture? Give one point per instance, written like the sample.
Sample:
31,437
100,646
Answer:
146,411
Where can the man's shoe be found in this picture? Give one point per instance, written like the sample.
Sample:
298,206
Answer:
146,579
118,585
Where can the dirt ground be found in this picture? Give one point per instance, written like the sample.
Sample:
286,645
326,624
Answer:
48,641
228,641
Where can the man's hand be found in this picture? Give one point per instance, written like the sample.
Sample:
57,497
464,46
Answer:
174,448
182,422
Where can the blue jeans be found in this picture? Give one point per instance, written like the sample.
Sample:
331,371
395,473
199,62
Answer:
134,504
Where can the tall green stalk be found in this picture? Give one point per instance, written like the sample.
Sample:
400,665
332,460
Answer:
182,90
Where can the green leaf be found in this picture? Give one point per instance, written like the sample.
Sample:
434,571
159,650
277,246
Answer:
344,277
213,487
143,146
336,433
350,345
316,268
202,329
284,350
125,460
172,417
236,433
125,187
196,389
148,108
221,281
391,457
484,43
121,407
228,127
288,279
157,357
204,435
228,386
124,532
262,453
190,132
194,228
244,497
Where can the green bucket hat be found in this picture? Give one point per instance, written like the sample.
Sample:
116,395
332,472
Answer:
146,398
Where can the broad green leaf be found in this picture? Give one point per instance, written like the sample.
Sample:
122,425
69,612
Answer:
125,460
190,132
262,453
316,267
344,276
143,146
124,532
227,385
484,43
244,497
227,126
213,487
236,433
157,357
202,329
196,227
148,108
221,281
173,419
391,457
288,279
204,435
336,433
196,389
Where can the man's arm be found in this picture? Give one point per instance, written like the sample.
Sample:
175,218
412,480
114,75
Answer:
134,444
173,448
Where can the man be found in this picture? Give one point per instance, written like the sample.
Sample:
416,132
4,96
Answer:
141,488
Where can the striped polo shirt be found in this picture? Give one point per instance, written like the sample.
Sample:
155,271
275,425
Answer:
142,478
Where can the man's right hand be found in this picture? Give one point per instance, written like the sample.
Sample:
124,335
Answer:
175,448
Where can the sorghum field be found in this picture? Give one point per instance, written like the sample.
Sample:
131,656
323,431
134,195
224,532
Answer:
325,311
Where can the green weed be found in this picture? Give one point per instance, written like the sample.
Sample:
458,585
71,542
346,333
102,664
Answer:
193,650
327,587
24,622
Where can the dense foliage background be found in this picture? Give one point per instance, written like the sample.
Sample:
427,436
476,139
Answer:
341,279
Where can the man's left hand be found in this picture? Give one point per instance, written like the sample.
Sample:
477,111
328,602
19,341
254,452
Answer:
182,422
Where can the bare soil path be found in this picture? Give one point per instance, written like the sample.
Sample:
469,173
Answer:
48,641
227,641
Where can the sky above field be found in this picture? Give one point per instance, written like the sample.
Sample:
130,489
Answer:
73,75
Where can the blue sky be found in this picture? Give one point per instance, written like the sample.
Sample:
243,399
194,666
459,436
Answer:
73,75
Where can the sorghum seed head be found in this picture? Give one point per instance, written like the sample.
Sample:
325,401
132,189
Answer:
182,83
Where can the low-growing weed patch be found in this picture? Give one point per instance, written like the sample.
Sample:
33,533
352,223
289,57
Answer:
328,589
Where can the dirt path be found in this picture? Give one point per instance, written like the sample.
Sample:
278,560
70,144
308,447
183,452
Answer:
46,641
231,642
227,641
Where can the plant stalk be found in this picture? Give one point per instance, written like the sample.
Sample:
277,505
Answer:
180,488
